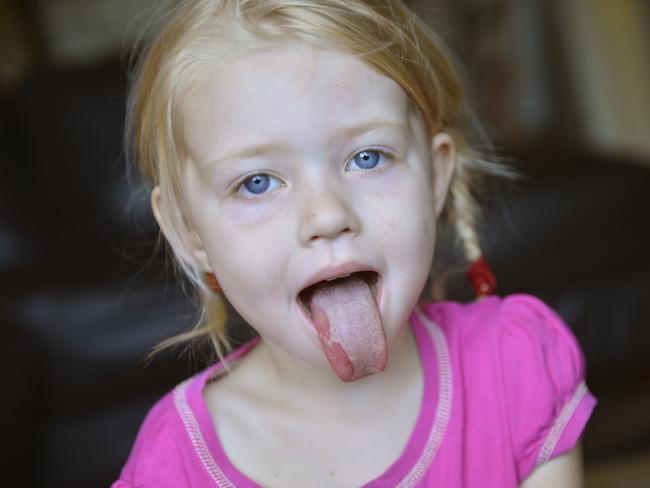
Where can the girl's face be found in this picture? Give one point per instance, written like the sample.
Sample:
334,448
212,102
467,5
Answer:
306,164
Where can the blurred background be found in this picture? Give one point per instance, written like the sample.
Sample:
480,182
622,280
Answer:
563,90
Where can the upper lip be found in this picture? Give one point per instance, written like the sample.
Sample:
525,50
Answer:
336,271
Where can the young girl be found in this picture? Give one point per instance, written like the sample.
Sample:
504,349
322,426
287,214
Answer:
302,155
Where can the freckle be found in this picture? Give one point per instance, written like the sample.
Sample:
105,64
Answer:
331,473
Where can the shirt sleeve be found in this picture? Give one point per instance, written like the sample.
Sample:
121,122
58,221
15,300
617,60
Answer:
543,381
155,459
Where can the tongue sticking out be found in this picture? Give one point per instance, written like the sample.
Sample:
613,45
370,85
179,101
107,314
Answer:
346,318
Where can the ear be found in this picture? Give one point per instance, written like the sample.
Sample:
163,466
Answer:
443,159
185,241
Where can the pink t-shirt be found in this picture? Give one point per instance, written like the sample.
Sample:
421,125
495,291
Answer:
504,392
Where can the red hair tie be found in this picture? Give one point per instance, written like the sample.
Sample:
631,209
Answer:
480,276
212,282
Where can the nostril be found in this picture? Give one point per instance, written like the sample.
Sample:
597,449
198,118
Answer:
331,235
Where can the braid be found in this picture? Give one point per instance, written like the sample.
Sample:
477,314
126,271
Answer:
463,215
214,320
463,211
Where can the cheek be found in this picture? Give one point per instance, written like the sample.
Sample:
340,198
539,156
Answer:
406,211
251,255
254,215
245,244
409,231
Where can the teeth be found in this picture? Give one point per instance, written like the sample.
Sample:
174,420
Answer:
337,277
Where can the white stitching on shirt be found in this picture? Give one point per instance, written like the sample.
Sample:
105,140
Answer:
193,431
560,424
443,409
434,440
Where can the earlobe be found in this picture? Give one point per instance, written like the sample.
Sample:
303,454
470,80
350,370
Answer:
184,240
443,159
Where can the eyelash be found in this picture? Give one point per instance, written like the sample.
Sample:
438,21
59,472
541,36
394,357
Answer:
386,157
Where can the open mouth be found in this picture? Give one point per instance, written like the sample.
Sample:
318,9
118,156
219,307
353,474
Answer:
370,277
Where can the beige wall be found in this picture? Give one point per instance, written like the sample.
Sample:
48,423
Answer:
607,45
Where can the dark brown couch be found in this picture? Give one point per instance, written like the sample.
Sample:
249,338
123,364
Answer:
81,305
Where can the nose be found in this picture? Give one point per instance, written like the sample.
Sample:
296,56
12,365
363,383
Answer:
327,215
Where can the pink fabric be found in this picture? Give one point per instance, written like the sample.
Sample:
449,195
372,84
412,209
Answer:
504,393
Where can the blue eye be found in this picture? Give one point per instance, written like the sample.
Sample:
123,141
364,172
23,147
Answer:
258,184
369,159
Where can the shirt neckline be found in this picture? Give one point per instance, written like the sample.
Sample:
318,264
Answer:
406,470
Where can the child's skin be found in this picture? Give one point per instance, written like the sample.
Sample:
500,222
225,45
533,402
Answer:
320,210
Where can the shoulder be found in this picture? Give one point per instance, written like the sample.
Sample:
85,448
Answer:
535,342
519,351
171,438
156,458
543,377
154,445
516,322
519,338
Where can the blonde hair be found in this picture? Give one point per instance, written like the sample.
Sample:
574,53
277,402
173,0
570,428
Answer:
386,35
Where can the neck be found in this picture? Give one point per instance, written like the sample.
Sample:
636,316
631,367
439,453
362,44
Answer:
296,381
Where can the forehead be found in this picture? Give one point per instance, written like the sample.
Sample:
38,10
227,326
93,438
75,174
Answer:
286,92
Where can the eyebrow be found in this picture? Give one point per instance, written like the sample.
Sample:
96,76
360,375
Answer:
350,131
